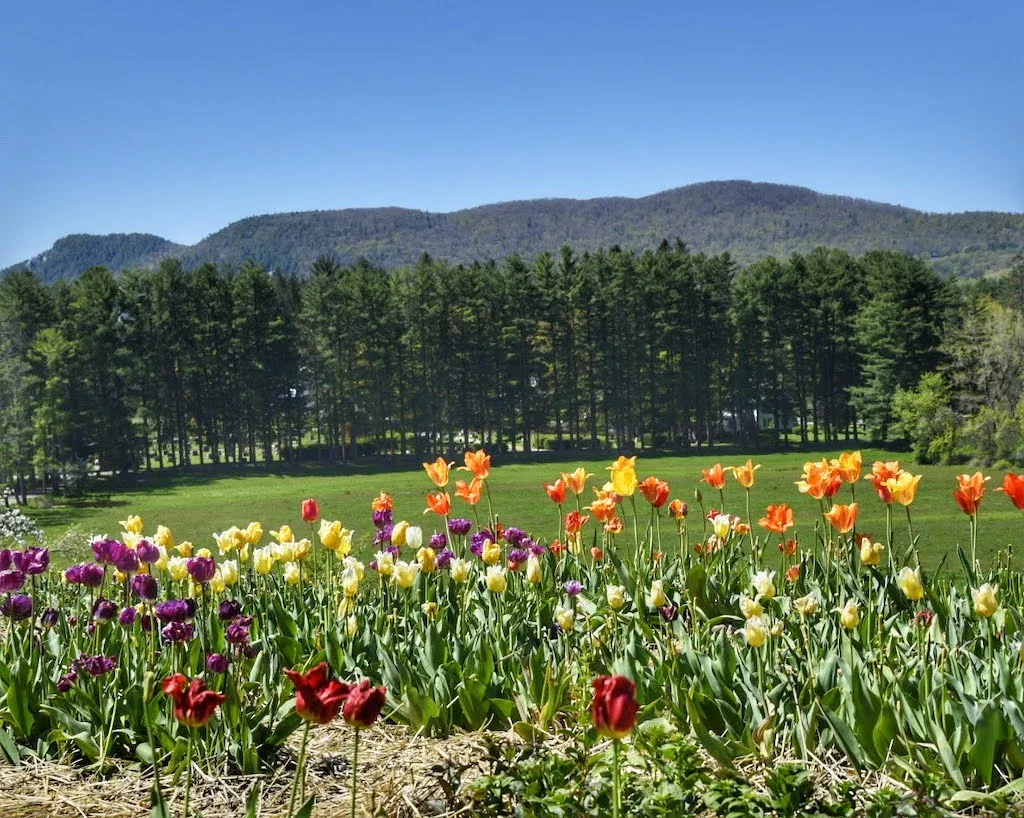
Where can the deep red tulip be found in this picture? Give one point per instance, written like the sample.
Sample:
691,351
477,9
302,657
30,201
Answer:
310,511
317,698
363,704
194,704
615,706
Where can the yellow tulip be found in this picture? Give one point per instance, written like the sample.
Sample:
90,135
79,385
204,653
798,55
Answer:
427,559
349,582
217,584
344,543
292,573
330,534
184,548
985,601
849,616
303,549
263,560
161,563
398,533
229,571
624,479
616,596
385,563
566,619
755,632
284,534
253,533
534,574
903,487
491,554
133,524
807,605
164,537
205,553
750,608
721,525
658,598
355,565
430,609
351,626
764,585
909,580
406,573
870,552
177,567
496,580
460,569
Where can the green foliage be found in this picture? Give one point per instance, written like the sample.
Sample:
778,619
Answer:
924,417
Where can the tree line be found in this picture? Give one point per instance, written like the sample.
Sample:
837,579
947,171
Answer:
665,348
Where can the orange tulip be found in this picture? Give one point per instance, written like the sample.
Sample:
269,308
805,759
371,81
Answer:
603,509
607,492
597,554
843,518
881,473
574,522
438,471
777,518
655,490
440,503
788,547
577,480
741,528
970,491
556,491
1013,487
714,477
382,502
471,492
849,465
678,510
479,463
903,487
745,474
820,480
614,525
793,573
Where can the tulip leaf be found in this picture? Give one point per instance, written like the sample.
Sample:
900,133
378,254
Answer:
987,737
306,810
9,746
252,801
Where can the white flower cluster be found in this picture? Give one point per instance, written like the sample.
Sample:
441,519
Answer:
17,528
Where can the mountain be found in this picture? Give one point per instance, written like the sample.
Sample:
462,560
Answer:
748,219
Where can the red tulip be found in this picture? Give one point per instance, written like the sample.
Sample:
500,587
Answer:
1013,487
615,706
310,511
193,703
363,704
556,491
317,698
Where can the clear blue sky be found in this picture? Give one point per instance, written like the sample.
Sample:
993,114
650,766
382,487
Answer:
177,118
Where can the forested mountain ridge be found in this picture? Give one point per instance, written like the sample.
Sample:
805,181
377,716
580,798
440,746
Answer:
747,219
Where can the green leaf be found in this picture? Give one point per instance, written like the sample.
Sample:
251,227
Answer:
252,801
306,810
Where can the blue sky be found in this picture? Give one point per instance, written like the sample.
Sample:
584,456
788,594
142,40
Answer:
178,118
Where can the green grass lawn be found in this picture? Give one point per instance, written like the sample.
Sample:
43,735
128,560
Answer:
195,505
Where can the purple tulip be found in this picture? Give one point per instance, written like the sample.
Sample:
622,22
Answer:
460,527
517,556
148,553
178,631
217,663
438,541
104,610
6,558
383,534
144,586
202,569
85,573
444,559
514,536
147,621
67,682
126,561
670,612
11,580
96,665
17,607
32,560
49,618
237,633
176,610
574,587
105,552
229,609
534,547
382,518
128,617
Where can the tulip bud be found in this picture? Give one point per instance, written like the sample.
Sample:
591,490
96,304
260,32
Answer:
533,571
698,497
849,616
616,596
658,598
310,511
566,619
985,601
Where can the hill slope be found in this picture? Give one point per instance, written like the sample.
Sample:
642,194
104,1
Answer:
750,220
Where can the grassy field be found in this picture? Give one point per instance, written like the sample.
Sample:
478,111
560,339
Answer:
194,506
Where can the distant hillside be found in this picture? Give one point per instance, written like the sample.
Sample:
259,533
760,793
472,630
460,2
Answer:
748,219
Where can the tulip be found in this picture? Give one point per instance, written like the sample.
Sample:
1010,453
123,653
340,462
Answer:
363,704
969,492
427,559
330,534
253,533
657,597
229,572
750,608
870,552
565,618
678,510
194,704
440,503
144,586
351,626
283,534
11,580
86,573
577,480
655,490
985,601
460,569
793,573
903,487
318,699
745,474
201,569
150,554
470,492
848,466
405,573
18,607
496,580
556,491
292,573
820,480
398,533
175,610
534,575
755,632
133,524
217,663
881,473
491,554
414,537
438,472
807,605
1013,487
603,509
263,560
32,560
849,616
777,518
382,502
310,510
721,525
843,518
614,708
909,581
478,463
764,585
616,595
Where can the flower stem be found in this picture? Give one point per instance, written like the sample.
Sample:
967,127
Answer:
355,772
300,771
188,772
617,795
